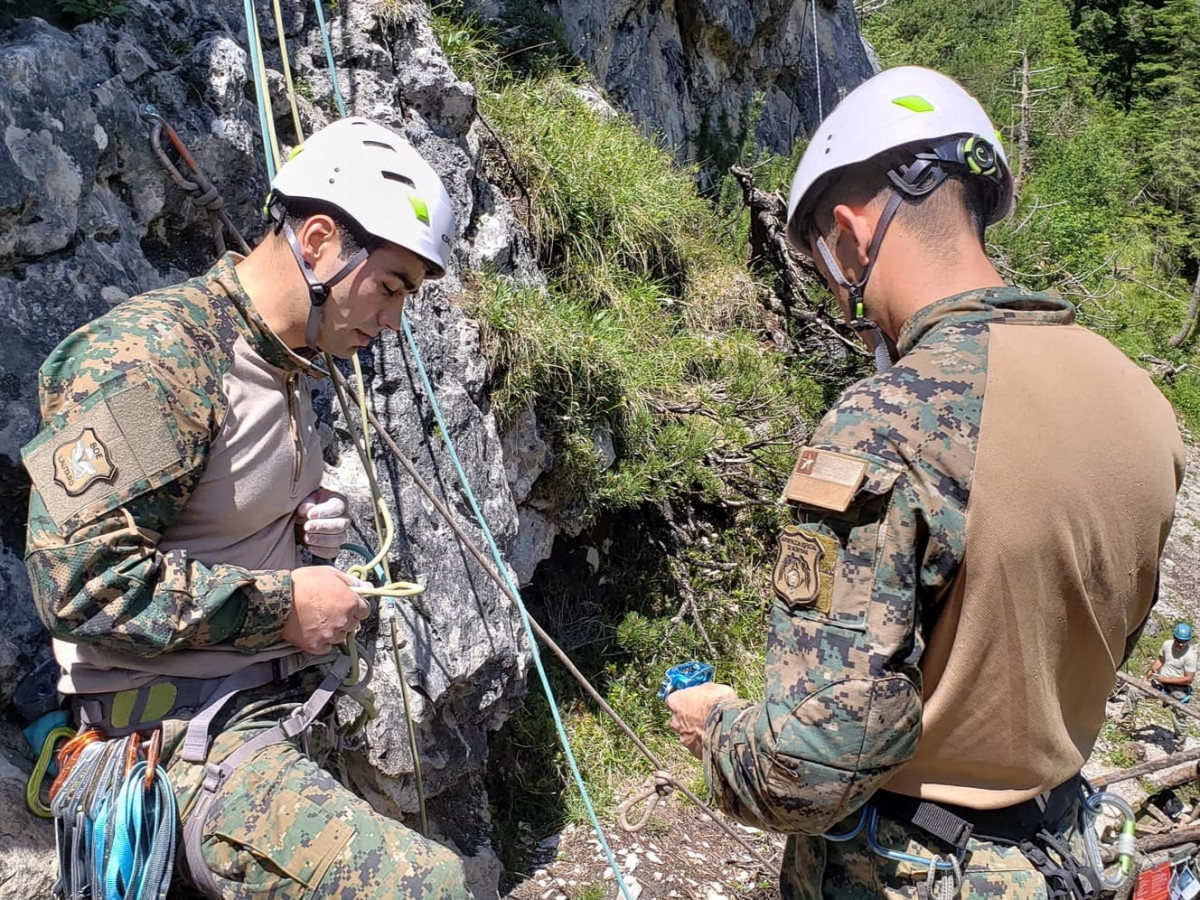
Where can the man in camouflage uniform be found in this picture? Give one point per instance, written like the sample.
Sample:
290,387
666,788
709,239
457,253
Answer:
176,475
976,545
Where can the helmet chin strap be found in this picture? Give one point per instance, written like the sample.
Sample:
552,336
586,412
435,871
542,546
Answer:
318,291
885,351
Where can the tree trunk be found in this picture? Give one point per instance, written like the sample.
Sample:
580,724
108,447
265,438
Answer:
1190,321
1146,768
1023,127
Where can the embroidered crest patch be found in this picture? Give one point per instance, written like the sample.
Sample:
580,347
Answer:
80,463
803,575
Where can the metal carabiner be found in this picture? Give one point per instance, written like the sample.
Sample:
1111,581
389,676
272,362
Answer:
852,833
945,864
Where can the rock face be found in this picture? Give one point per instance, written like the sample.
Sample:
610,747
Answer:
690,70
88,217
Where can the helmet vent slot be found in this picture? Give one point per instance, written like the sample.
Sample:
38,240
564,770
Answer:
380,144
403,179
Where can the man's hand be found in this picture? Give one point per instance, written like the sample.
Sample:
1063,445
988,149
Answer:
689,711
325,611
322,523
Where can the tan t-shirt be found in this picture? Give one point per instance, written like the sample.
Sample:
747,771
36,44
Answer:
1177,663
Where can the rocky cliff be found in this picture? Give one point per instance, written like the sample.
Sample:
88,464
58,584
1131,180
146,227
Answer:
89,217
700,74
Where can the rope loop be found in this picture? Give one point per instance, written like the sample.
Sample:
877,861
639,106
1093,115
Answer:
661,785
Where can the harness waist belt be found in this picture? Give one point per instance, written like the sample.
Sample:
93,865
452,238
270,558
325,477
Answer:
1052,811
120,713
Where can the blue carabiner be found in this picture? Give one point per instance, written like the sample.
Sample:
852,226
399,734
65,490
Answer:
852,833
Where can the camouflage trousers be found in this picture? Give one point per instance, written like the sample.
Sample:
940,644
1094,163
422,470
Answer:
283,827
814,867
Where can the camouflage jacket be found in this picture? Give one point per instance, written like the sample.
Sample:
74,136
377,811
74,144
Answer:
878,552
131,406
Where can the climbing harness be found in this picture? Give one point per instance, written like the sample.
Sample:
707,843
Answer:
216,774
1035,827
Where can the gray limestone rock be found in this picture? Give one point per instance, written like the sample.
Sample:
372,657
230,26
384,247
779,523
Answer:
28,861
689,70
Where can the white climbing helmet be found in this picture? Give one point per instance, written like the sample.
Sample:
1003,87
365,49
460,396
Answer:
898,107
378,180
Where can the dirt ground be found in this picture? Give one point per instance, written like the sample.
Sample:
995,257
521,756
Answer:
680,853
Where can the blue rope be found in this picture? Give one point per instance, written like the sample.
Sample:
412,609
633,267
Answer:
143,837
337,92
487,532
259,86
503,569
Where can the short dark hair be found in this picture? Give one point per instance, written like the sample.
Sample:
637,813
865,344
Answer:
936,219
299,210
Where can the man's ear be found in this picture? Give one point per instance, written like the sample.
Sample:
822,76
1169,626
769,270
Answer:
857,229
318,236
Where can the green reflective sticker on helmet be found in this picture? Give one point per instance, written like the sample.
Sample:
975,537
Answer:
915,103
419,208
295,152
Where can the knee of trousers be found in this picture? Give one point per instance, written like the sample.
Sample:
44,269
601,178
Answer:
427,871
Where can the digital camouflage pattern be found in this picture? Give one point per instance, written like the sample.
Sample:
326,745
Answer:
131,404
147,378
842,707
283,827
814,869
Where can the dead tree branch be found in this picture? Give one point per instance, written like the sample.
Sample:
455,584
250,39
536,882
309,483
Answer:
770,256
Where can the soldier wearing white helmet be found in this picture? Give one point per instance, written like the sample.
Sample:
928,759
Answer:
975,546
176,480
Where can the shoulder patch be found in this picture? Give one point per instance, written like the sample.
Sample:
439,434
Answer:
803,575
102,452
825,479
80,463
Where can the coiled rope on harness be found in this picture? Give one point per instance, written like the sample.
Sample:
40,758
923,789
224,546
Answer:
115,818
